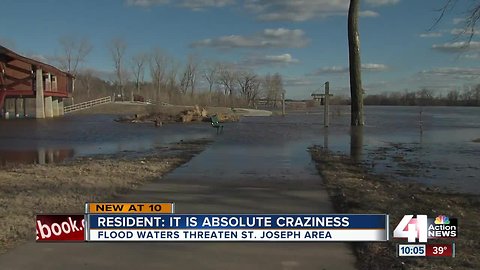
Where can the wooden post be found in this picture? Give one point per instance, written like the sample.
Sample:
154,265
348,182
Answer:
24,105
325,139
326,115
421,121
3,109
283,103
15,108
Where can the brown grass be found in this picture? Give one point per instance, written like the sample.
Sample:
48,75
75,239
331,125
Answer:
125,108
26,190
354,190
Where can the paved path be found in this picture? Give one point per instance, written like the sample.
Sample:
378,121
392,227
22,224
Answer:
251,168
252,112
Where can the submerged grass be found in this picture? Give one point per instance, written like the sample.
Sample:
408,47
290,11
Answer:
354,190
26,190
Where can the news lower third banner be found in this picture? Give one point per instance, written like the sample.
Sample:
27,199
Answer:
218,227
157,222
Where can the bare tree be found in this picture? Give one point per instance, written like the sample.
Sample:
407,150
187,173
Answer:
227,79
210,73
158,62
85,77
471,20
138,69
277,81
273,87
74,52
189,76
249,86
117,49
171,78
453,97
425,96
476,95
356,90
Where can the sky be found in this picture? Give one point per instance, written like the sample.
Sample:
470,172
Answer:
303,40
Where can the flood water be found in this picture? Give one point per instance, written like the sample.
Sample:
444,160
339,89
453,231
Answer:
433,147
60,139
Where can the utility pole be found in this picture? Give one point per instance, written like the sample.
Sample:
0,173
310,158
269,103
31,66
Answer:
283,103
326,116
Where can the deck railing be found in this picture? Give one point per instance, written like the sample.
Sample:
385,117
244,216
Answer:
87,104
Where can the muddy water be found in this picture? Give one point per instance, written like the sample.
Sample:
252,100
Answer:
433,147
56,140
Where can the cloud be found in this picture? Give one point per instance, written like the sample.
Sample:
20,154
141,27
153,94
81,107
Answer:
202,4
39,57
458,20
343,70
103,74
273,10
431,35
288,10
282,60
331,70
369,13
147,3
268,38
374,67
8,43
459,46
297,81
190,4
382,2
464,31
452,72
472,56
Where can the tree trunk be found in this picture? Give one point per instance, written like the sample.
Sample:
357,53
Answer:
356,90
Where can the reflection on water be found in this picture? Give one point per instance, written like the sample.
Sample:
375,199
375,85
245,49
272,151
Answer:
38,156
356,143
325,138
441,153
85,135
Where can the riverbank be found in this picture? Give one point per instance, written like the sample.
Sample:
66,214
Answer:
136,112
132,108
26,190
354,190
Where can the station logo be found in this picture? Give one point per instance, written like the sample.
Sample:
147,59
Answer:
424,228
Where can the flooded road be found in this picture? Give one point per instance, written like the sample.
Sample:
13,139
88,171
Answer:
434,147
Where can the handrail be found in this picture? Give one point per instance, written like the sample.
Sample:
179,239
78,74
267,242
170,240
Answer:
87,104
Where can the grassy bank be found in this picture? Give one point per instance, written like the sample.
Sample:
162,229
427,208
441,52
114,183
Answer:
127,108
354,190
26,190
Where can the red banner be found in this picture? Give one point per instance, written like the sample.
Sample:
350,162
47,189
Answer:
440,250
60,227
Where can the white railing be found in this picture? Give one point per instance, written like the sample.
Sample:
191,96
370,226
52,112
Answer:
87,104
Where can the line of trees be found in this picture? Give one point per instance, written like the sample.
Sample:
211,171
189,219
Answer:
158,77
468,96
426,97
